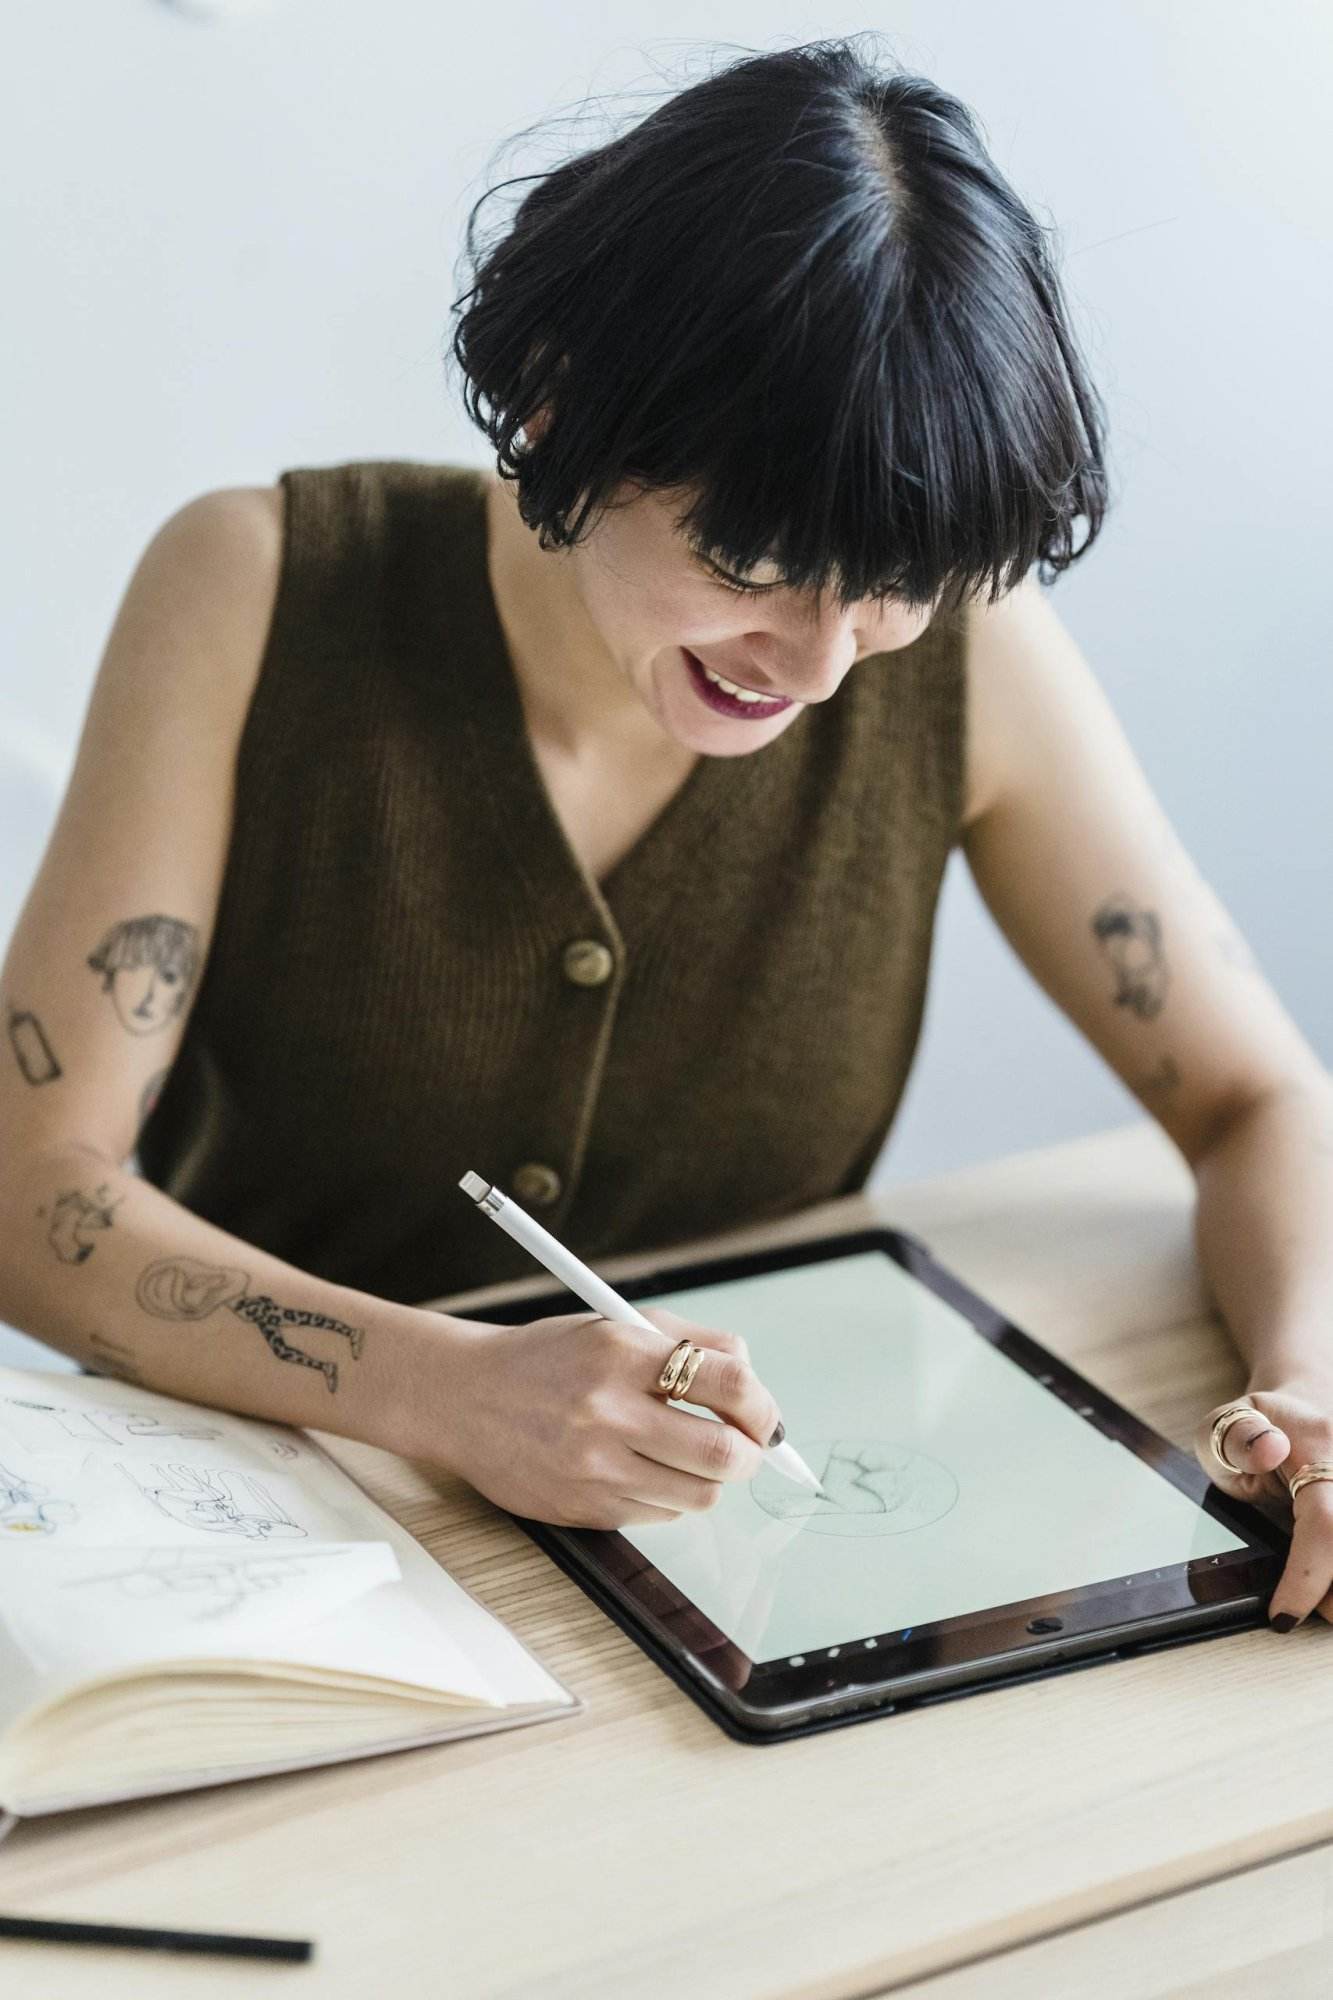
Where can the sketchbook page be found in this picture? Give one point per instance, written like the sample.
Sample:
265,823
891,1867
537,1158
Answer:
81,1612
432,1633
90,1465
183,1781
21,1681
61,1421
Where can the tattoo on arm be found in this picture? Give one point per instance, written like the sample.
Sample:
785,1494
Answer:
148,966
75,1216
112,1357
182,1288
32,1052
1132,940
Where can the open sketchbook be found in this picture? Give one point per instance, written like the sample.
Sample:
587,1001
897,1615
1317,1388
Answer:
189,1597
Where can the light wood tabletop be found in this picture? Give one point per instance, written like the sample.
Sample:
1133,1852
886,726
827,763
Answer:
1147,1827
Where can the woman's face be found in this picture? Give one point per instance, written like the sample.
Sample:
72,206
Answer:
664,615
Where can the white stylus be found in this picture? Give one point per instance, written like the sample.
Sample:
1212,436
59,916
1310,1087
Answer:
595,1292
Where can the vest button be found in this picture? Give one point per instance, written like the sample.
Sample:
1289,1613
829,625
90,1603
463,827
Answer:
587,962
538,1184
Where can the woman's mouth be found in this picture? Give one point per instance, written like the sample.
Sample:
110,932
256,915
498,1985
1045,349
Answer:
744,706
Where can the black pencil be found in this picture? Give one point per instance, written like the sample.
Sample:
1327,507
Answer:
58,1930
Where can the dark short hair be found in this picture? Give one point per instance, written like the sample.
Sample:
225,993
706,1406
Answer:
801,289
166,942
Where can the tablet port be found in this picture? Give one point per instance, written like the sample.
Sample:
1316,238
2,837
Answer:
1046,1624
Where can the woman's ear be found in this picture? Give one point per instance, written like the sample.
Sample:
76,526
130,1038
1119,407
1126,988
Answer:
536,426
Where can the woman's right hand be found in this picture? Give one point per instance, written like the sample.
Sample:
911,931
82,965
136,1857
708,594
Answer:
561,1420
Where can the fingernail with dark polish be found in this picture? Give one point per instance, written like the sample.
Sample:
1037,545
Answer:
1284,1621
777,1436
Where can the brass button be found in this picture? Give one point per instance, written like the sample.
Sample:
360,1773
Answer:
587,962
538,1184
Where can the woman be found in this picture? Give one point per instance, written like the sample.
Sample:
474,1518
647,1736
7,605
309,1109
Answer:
583,825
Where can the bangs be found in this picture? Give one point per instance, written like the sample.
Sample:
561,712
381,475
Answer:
800,300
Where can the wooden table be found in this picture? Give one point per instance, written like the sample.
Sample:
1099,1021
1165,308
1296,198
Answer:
1145,1828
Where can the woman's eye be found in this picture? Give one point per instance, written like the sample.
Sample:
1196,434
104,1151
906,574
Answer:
741,589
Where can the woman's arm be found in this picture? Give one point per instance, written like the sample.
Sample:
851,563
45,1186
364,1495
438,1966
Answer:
1083,872
107,1268
558,1419
96,993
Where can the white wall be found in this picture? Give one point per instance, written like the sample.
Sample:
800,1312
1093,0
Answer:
229,247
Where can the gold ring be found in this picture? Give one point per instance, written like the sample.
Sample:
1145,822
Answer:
1222,1424
686,1377
675,1361
1308,1474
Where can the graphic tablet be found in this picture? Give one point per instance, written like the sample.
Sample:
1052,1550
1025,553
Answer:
990,1514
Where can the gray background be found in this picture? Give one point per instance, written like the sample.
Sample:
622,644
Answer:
229,246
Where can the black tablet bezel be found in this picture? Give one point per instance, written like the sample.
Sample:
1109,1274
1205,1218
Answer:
880,1673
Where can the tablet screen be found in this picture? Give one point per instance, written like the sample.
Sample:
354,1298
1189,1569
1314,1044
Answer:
956,1481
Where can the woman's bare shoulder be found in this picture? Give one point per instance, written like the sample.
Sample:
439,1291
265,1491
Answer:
216,563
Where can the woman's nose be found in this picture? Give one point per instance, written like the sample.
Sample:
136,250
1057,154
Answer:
817,657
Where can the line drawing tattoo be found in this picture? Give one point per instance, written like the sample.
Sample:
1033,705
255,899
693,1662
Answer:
270,1318
222,1500
74,1217
148,966
152,1090
32,1052
1132,940
112,1357
24,1511
183,1288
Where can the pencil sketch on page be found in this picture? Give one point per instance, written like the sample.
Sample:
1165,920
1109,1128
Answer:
225,1501
54,1425
205,1586
29,1508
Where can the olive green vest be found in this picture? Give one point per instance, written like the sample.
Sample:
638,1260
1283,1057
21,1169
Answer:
411,976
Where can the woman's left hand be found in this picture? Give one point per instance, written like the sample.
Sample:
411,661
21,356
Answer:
1292,1426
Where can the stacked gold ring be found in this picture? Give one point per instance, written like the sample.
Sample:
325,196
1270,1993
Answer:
680,1369
1316,1469
1222,1424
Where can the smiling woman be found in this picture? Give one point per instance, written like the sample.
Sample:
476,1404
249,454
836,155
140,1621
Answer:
535,822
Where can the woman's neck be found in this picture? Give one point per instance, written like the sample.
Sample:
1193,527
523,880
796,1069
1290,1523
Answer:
575,697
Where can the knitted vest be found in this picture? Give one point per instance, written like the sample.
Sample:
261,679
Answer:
411,975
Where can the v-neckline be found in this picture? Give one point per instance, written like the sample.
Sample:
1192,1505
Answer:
687,816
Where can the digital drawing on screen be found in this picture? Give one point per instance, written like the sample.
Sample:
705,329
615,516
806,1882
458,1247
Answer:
873,1487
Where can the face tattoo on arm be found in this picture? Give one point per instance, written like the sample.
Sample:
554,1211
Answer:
1132,940
148,966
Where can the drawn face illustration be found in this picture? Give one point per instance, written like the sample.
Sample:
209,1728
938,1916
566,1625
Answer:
148,965
1131,951
146,997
